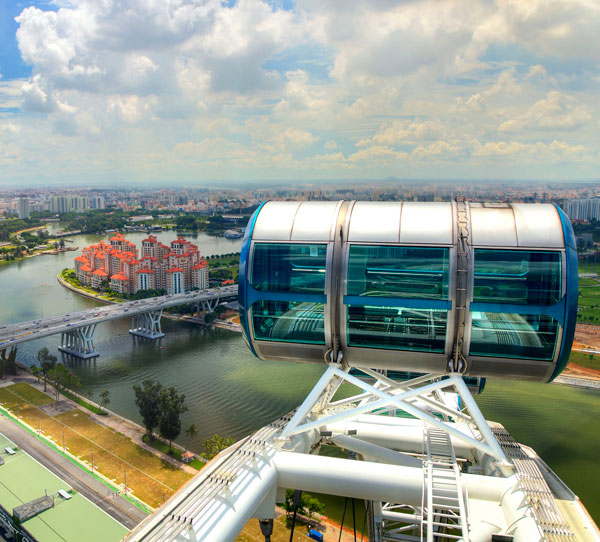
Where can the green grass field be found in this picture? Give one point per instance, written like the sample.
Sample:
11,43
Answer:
164,447
589,361
589,301
150,478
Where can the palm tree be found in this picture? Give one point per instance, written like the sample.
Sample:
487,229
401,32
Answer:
192,432
47,363
104,398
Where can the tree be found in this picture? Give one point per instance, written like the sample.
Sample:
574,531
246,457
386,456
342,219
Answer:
62,378
191,431
308,505
3,362
215,444
35,371
47,363
171,407
147,400
104,398
11,362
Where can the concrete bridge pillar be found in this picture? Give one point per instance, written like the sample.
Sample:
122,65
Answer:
208,305
79,342
147,325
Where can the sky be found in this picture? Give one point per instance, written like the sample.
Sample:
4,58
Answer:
163,92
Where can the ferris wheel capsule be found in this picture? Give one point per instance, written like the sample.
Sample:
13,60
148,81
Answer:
412,286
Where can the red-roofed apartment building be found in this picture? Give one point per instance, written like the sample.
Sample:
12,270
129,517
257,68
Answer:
175,269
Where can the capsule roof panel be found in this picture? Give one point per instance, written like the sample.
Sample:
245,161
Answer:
296,221
426,222
516,225
375,221
408,222
538,226
493,226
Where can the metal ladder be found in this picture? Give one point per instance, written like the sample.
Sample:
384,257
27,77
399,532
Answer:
444,516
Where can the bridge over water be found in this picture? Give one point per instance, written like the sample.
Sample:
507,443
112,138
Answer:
77,328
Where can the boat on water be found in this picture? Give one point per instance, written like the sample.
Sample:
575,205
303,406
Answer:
234,234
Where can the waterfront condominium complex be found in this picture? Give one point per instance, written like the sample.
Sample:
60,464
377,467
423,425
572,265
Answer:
175,269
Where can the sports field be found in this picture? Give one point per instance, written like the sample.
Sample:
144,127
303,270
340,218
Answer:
589,301
23,479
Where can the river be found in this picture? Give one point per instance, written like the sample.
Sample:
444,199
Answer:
231,393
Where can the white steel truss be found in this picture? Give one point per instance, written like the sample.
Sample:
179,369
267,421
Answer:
317,410
443,476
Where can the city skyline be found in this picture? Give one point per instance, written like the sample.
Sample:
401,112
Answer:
194,93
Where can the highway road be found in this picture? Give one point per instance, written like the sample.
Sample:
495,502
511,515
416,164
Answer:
13,334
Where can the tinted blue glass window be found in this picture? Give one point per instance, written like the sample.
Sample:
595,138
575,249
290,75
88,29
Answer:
289,321
513,335
287,267
397,328
517,276
392,271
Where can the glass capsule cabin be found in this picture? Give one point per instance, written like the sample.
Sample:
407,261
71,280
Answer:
379,284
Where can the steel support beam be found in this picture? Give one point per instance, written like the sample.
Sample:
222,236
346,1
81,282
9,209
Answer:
79,342
147,325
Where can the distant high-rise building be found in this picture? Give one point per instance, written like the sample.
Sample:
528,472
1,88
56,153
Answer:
57,204
97,202
23,208
66,204
582,209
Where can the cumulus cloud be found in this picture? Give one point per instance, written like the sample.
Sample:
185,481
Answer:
404,132
557,111
10,94
168,49
252,89
560,28
553,151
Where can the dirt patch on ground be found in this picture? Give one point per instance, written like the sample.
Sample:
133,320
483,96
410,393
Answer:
586,336
54,409
577,370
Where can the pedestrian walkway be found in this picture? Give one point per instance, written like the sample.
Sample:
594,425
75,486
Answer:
135,433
